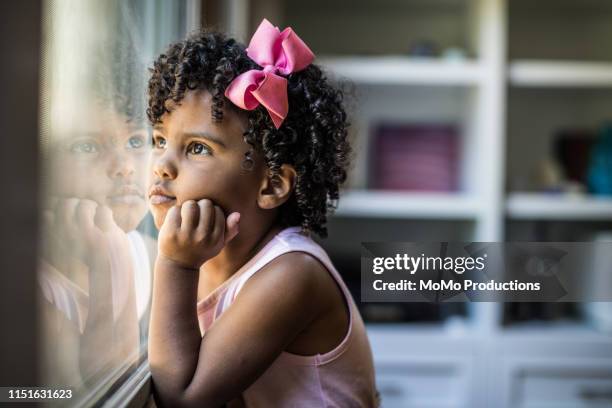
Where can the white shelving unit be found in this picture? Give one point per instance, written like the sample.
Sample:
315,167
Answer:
521,54
387,204
398,70
566,74
531,206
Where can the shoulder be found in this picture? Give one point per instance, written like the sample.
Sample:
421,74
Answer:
299,281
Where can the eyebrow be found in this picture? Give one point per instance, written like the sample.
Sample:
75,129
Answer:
204,135
196,134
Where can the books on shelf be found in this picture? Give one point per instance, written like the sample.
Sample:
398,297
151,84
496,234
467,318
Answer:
415,157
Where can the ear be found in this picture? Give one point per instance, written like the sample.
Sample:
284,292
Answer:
276,190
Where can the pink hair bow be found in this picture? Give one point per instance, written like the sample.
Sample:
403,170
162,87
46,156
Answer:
277,52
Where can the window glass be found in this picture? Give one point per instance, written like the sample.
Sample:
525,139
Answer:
98,241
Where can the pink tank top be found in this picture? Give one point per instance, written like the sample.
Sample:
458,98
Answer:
342,377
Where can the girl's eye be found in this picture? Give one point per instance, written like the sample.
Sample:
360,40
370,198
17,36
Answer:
159,143
198,148
135,142
85,147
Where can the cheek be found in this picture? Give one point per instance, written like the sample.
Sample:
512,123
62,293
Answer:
149,168
228,186
78,178
141,165
141,172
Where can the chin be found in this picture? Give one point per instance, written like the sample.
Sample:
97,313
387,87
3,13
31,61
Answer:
158,217
129,218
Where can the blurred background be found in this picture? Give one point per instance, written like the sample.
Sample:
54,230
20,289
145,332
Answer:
471,120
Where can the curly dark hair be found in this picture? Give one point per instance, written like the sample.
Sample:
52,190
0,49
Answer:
312,138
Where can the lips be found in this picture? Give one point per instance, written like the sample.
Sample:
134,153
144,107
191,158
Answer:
127,194
159,196
160,199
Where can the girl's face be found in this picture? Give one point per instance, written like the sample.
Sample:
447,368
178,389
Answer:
195,158
104,158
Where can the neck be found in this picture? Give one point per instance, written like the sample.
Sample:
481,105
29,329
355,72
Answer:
238,252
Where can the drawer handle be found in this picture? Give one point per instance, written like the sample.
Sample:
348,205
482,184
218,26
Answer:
591,394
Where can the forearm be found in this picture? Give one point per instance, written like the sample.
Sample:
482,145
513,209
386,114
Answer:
95,345
174,334
108,341
126,329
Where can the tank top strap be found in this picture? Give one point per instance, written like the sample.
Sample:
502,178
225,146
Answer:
288,240
64,294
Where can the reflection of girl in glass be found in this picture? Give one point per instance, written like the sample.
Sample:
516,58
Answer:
95,274
96,264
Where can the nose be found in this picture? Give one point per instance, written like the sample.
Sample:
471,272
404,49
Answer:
164,166
121,165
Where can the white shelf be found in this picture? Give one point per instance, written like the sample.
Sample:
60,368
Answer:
398,70
563,330
388,204
536,206
536,73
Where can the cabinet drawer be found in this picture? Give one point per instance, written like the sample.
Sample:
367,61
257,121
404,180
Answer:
423,383
563,384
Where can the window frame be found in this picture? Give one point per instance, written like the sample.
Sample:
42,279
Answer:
20,33
135,391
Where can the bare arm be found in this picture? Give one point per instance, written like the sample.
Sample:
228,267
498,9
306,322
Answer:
174,334
191,370
109,343
90,237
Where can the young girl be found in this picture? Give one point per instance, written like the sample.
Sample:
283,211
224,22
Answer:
249,149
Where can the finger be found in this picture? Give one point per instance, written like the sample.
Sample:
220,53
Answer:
207,217
86,213
104,218
65,211
232,226
49,229
65,218
172,221
190,215
219,225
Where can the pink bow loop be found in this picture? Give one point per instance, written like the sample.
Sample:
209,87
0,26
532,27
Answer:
277,52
